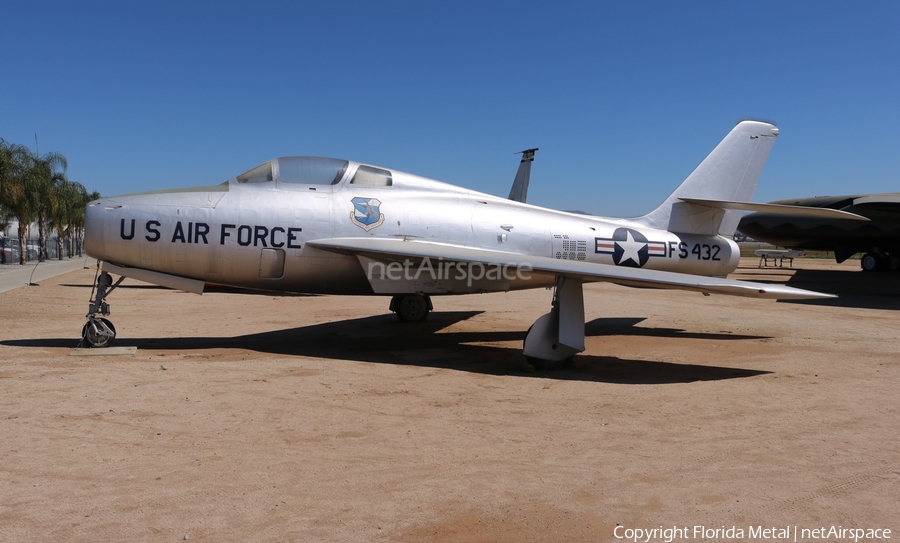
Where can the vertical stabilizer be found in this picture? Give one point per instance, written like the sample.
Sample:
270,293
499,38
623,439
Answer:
519,189
730,172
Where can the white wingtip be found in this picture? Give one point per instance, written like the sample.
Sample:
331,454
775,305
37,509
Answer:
780,292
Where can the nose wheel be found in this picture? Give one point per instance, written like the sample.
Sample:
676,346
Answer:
98,331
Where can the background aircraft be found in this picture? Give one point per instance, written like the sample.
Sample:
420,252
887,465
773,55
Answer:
332,226
878,237
519,190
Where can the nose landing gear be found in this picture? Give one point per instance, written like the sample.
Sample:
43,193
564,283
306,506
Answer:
98,331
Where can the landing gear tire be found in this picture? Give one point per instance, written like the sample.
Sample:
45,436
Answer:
893,263
541,339
98,332
550,365
411,307
871,262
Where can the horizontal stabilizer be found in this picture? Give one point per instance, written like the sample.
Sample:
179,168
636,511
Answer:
398,250
777,209
889,202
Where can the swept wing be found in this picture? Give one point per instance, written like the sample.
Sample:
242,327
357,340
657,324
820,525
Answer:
399,249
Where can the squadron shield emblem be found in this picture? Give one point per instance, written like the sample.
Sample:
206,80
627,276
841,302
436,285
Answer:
366,214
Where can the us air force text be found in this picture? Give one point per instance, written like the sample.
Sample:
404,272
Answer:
245,235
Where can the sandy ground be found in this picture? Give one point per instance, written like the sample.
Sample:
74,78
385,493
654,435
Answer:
314,418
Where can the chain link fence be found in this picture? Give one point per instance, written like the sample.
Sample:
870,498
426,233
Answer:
9,250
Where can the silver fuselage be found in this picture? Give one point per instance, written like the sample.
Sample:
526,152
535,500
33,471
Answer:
255,235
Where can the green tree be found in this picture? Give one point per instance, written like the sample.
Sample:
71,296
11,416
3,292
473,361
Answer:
66,206
18,191
78,218
34,187
6,162
43,172
6,165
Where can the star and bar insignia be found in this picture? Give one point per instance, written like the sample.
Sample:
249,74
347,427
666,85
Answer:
629,248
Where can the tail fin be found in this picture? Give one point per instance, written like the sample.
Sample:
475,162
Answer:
729,172
519,190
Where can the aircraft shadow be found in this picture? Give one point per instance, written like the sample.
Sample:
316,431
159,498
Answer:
383,340
854,288
626,326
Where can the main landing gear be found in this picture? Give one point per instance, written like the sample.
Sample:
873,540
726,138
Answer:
411,307
551,342
877,260
555,338
98,331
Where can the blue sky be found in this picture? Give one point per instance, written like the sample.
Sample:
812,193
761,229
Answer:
622,98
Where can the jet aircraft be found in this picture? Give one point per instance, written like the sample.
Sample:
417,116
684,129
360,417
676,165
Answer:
333,226
877,235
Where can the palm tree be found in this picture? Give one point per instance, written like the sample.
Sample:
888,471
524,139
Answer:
6,164
4,218
67,201
80,199
18,191
43,171
34,186
78,216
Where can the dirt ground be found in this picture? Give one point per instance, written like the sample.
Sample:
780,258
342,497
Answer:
321,418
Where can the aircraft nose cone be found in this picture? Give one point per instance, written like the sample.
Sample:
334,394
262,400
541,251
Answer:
93,228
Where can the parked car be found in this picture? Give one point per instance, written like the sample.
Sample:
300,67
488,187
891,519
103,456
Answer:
8,254
9,251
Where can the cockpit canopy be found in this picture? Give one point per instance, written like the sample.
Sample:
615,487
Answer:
312,170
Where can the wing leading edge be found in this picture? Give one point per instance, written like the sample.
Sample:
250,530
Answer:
398,250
